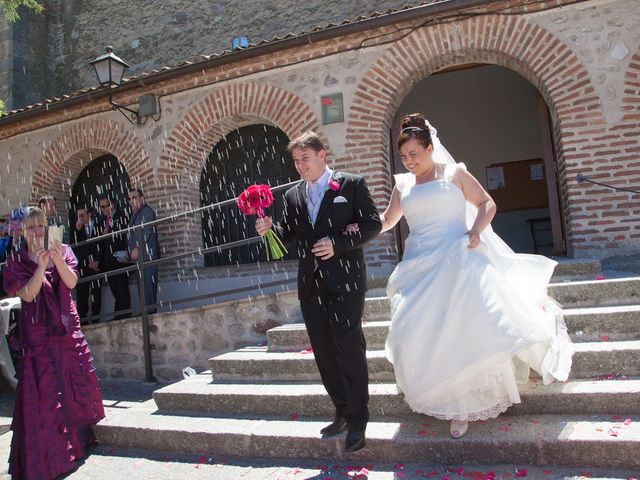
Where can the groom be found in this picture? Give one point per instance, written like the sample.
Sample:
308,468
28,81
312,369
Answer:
331,277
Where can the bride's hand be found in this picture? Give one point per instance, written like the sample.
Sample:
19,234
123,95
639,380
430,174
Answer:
474,239
351,229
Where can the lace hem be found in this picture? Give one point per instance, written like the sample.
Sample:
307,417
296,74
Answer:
487,414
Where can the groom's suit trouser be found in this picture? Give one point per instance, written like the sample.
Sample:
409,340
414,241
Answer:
334,324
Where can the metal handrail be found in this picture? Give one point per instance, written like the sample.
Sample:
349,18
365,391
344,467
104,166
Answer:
140,266
582,179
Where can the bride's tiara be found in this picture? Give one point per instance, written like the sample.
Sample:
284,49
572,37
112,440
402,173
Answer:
414,129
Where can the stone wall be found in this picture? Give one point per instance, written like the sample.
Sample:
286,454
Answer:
6,62
596,132
153,34
187,337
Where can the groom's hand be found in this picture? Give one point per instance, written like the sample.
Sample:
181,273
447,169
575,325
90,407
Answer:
323,248
263,225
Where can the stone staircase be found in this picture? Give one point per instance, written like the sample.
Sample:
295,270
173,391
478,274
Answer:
268,401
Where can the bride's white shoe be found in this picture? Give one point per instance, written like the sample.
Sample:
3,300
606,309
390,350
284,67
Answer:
458,428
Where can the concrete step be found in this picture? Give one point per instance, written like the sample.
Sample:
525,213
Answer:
567,269
592,359
603,441
576,268
617,323
294,338
598,359
200,394
619,291
574,294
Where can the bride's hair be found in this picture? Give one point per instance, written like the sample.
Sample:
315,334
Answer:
415,126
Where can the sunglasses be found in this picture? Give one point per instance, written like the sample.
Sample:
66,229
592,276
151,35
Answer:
104,206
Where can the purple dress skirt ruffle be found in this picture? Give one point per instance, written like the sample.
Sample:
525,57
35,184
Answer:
58,397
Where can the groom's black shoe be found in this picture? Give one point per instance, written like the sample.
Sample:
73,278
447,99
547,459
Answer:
339,425
354,441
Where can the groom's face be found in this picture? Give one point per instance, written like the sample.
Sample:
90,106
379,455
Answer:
309,163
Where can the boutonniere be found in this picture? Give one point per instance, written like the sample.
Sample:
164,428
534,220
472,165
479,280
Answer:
334,185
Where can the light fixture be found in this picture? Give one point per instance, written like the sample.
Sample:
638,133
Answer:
110,70
239,43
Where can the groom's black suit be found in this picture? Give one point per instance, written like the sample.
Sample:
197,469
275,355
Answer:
331,291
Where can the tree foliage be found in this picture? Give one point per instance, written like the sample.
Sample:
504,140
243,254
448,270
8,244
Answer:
10,7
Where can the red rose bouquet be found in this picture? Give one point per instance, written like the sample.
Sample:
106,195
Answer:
253,201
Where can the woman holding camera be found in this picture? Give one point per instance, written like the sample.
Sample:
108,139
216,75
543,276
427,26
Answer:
58,398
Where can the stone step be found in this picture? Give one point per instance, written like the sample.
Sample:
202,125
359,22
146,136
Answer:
603,441
294,338
592,293
200,394
592,359
619,291
576,268
616,323
585,325
566,269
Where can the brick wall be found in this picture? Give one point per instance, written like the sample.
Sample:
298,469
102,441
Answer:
199,108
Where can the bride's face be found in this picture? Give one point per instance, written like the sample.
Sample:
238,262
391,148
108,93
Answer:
416,158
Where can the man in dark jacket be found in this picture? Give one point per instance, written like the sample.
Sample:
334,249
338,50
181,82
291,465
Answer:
331,277
87,292
113,253
150,250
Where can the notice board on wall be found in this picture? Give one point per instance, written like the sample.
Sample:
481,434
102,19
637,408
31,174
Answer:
518,185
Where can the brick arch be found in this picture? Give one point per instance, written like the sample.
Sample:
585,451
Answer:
70,152
203,126
631,92
508,41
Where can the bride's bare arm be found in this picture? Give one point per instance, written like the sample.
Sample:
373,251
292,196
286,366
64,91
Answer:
475,194
393,213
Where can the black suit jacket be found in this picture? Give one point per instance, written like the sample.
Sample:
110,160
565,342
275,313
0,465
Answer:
113,244
86,253
344,272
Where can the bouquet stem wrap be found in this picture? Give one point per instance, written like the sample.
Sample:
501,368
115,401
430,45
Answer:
253,201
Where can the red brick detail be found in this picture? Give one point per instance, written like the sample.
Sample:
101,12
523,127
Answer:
545,61
201,128
69,153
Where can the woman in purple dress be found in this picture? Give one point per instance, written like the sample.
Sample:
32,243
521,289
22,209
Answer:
58,398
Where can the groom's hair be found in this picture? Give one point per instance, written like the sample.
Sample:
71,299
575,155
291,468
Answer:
307,140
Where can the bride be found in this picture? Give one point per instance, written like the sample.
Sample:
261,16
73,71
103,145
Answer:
469,317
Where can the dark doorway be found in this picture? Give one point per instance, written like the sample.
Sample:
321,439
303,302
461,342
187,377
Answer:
255,154
496,122
104,175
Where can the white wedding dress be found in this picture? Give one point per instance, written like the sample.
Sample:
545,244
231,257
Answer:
467,323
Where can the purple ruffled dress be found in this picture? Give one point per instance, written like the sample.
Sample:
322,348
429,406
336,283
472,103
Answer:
58,397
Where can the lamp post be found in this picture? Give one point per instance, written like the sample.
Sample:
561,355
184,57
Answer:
110,70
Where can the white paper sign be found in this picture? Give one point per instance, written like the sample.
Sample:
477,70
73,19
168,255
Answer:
495,178
537,172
